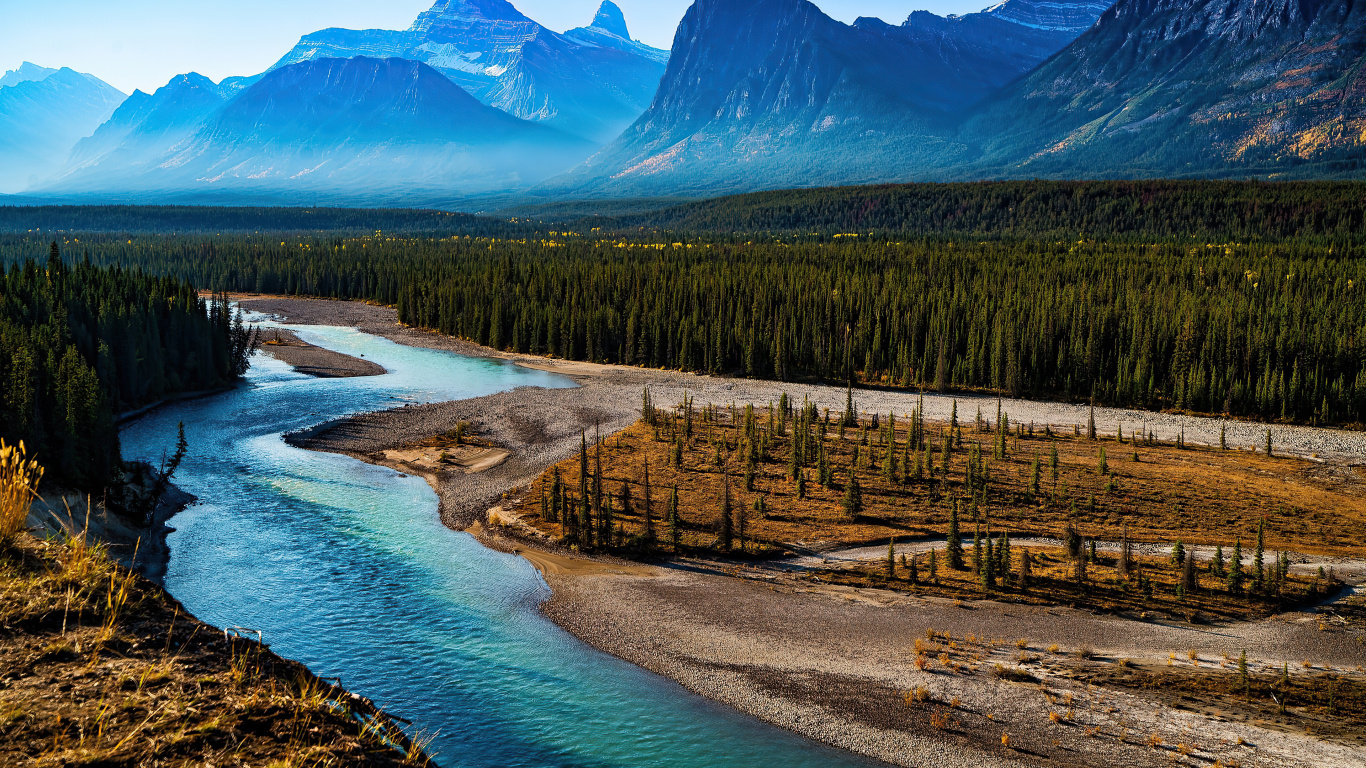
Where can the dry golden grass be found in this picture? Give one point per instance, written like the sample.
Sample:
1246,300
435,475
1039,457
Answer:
1200,495
19,477
102,668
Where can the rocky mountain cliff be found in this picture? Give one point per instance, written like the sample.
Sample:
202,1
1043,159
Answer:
775,93
42,115
1191,87
591,82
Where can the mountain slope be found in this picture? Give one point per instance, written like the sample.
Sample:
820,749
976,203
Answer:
142,129
1191,87
591,82
343,129
775,93
41,119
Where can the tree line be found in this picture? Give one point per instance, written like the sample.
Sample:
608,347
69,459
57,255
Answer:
80,344
1269,328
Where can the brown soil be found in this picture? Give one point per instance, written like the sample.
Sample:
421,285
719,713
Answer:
1199,495
100,667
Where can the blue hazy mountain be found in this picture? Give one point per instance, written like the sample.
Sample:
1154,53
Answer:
43,113
592,82
339,129
1273,88
142,131
26,72
775,93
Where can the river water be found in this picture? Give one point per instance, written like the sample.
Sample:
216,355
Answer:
346,567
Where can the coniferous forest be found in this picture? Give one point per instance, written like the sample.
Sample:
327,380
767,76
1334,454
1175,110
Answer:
80,344
1260,316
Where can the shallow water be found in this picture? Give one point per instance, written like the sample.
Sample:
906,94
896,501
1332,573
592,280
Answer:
346,567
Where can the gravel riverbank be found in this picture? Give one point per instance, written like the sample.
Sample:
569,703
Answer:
832,662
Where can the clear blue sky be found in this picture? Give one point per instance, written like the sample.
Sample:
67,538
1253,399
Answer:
143,43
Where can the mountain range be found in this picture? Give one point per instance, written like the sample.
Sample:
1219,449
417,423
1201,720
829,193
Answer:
387,129
475,98
592,81
43,112
779,93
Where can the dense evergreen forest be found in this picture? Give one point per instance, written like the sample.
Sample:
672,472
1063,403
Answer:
80,343
1131,210
201,220
1264,321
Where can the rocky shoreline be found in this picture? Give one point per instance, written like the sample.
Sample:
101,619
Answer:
286,346
831,662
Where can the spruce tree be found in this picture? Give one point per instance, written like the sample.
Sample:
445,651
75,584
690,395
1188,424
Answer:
1268,442
1034,477
675,524
1178,553
891,559
1103,466
1259,558
853,497
954,548
1223,437
1235,569
649,511
1003,556
934,566
977,551
1217,565
727,522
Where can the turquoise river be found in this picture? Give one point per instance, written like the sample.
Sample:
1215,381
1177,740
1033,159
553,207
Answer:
346,567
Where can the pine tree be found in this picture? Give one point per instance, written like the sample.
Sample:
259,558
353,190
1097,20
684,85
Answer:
1258,559
727,522
649,510
977,551
1125,562
556,497
675,524
1235,569
1188,576
954,548
853,497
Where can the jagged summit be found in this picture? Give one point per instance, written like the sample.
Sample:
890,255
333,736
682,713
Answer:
1074,16
610,19
591,81
26,72
466,11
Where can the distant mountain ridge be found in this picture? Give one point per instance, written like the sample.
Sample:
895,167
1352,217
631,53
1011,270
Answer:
776,93
24,73
43,113
329,128
591,82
